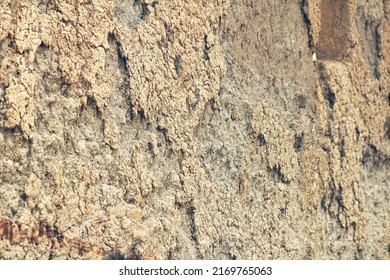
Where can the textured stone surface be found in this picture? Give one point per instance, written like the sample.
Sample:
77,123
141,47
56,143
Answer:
194,129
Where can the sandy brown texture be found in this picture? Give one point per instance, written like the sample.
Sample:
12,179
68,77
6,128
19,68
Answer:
223,129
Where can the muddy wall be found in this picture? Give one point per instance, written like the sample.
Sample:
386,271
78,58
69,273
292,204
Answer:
224,129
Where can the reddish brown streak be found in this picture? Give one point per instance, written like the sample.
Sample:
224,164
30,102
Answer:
11,231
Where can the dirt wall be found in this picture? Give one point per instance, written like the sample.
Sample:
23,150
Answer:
224,129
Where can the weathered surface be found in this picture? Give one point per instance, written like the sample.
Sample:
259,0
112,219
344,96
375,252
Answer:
194,129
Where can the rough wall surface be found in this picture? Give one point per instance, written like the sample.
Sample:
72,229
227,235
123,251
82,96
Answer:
223,129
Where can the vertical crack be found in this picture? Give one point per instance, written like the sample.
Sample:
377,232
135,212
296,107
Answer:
378,51
306,20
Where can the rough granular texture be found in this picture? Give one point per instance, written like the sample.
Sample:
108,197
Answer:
210,129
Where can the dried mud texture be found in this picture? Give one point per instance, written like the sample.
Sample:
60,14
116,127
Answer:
194,129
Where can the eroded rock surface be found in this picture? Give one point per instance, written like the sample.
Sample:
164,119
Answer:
224,129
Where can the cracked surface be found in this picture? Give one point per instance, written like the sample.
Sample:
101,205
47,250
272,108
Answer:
194,129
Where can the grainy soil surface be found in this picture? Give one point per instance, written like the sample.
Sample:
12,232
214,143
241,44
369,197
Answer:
200,129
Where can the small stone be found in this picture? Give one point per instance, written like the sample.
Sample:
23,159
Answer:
234,114
135,214
314,57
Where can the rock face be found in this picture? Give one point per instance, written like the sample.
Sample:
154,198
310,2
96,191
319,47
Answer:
222,129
